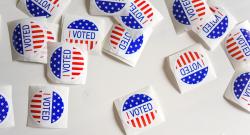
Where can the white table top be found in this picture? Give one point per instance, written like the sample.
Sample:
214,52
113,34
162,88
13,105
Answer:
203,111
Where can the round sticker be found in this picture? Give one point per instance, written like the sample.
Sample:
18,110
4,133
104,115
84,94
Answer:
29,38
67,63
214,28
191,67
46,107
110,6
121,40
83,32
237,44
42,7
4,108
140,14
139,111
188,11
241,89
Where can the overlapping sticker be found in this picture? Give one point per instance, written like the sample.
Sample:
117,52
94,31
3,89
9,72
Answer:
217,27
122,45
82,32
121,40
142,15
241,90
67,64
191,67
237,44
188,12
4,108
139,111
29,38
47,8
110,6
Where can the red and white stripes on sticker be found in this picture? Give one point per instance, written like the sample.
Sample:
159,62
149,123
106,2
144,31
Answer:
233,49
50,36
55,3
36,105
145,7
116,35
199,7
90,44
77,63
38,36
143,120
188,58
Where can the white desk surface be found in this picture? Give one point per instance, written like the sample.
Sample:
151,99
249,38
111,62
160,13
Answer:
203,111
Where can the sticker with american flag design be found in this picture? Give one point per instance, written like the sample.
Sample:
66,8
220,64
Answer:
237,43
46,8
191,67
120,39
81,32
139,110
142,14
188,12
111,6
48,106
216,27
241,89
29,38
4,108
67,64
123,46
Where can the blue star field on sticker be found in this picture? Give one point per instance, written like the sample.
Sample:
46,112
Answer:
110,6
179,13
131,22
35,9
246,34
4,108
135,45
83,25
240,84
196,77
220,29
57,107
17,39
55,62
135,100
